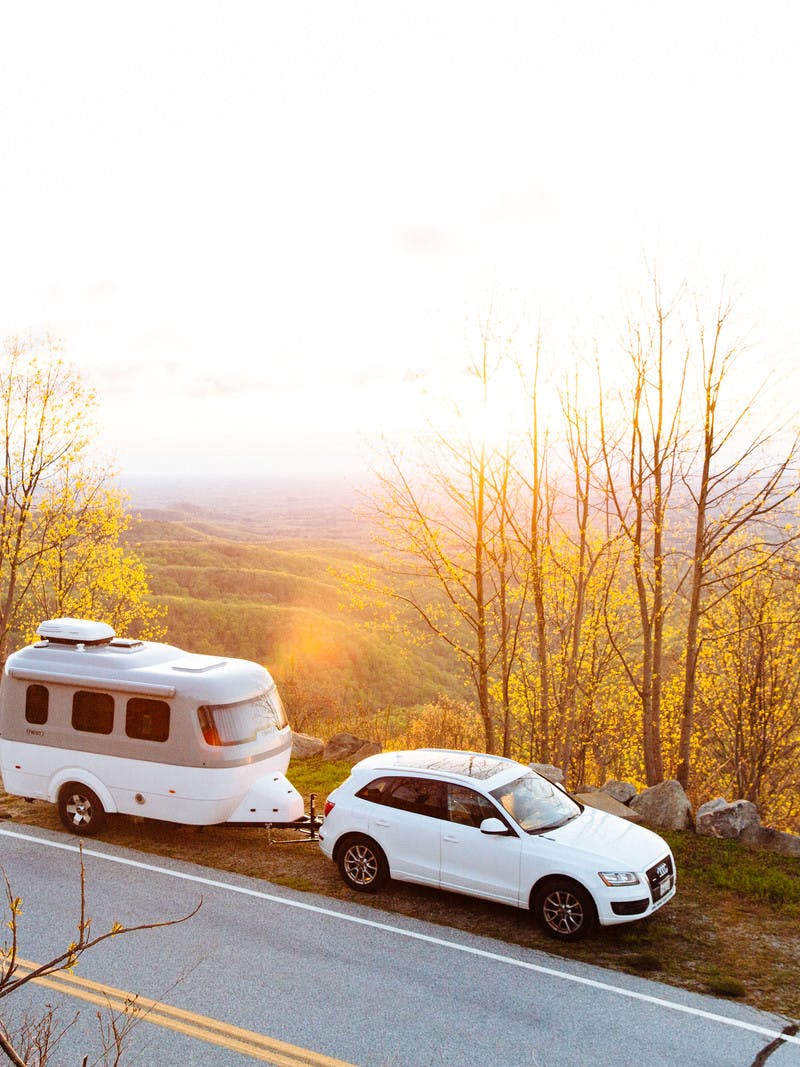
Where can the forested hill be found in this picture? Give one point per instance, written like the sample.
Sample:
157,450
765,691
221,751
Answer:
286,603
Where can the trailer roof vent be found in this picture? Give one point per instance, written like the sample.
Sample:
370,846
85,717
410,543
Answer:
76,632
197,664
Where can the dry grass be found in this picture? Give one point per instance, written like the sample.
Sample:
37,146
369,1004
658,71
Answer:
709,939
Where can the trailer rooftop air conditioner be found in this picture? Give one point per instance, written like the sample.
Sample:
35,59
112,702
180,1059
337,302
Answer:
76,632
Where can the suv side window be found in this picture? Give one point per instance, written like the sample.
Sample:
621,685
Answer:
467,807
421,795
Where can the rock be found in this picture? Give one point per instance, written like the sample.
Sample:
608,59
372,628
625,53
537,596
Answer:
548,771
341,745
664,806
718,818
772,840
303,746
344,746
585,788
369,748
599,799
623,792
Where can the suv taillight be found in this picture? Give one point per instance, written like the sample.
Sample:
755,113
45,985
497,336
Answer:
329,806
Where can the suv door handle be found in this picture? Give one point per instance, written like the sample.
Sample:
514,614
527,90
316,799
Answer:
383,823
450,837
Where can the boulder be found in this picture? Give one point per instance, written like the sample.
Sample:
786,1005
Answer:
664,806
345,746
718,818
548,771
304,746
599,799
623,792
369,748
772,840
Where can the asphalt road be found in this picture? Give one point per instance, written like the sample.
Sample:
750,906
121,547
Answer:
263,973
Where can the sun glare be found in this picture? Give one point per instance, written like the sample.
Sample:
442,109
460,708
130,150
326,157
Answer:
496,416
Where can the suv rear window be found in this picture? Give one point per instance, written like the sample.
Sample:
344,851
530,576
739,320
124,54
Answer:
377,790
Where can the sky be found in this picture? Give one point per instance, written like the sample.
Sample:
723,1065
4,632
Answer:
266,232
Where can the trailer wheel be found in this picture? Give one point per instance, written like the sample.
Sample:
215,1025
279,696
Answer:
362,864
80,809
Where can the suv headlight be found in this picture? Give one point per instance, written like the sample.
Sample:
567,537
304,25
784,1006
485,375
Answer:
619,877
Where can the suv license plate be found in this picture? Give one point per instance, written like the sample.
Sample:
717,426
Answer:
662,889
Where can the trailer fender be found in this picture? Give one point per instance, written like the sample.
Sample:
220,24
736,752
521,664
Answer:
83,777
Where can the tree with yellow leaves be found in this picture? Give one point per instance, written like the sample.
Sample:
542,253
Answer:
61,521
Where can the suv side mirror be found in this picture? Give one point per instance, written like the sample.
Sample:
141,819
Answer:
494,826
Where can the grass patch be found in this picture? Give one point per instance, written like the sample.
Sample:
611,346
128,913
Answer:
643,962
318,776
763,877
725,986
302,885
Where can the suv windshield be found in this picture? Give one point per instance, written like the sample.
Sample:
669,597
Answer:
535,804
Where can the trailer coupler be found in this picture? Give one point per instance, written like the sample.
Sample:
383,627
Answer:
307,826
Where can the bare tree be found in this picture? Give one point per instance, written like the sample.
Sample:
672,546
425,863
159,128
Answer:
588,541
14,976
641,465
749,688
443,525
736,483
533,529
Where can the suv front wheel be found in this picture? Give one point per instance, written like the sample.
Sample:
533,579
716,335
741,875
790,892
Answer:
565,910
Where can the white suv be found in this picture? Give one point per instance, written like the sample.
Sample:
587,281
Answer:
493,828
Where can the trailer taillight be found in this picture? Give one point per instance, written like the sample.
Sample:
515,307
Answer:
329,806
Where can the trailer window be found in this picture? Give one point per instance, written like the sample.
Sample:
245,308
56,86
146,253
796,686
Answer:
147,720
36,701
233,724
93,712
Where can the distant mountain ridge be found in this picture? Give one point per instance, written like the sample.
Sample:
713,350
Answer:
285,601
246,508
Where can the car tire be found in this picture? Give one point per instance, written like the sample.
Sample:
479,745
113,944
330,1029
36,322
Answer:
362,864
564,910
80,810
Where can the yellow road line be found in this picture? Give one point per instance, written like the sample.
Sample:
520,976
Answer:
214,1031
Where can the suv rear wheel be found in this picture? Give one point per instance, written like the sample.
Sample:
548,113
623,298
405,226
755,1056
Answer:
362,864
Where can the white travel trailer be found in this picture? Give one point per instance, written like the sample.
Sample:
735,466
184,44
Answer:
97,724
